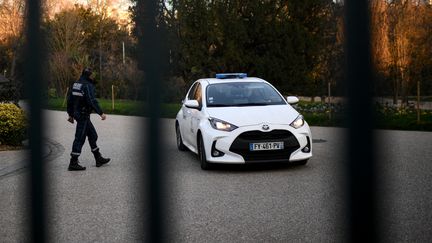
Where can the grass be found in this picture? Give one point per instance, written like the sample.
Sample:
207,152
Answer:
388,121
402,118
407,121
122,107
316,114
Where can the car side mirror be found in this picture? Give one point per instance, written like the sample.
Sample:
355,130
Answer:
292,100
193,104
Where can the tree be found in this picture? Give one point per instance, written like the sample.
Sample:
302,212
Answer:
380,45
79,37
400,33
11,33
66,43
281,41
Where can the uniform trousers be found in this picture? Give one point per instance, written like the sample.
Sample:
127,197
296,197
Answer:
84,129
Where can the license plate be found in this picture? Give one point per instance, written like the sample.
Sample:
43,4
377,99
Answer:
266,146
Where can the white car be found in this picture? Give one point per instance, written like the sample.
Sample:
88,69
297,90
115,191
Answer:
237,119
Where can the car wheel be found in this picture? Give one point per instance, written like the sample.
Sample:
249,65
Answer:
180,144
202,155
300,162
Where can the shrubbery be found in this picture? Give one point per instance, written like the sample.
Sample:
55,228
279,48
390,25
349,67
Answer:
9,92
386,116
13,124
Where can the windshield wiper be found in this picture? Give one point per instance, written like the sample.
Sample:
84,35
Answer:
218,105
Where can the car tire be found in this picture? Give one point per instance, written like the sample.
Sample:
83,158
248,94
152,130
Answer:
300,162
202,155
179,139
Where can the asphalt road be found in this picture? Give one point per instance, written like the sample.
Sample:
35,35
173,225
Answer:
255,203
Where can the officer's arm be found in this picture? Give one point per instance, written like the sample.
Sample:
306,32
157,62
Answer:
69,102
91,100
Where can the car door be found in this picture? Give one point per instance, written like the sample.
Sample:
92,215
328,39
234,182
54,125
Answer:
185,124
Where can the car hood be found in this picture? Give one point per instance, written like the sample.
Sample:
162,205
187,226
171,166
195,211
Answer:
254,115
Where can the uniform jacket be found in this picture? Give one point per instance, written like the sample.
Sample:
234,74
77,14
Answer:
81,98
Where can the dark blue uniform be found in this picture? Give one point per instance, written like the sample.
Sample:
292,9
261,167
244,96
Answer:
81,103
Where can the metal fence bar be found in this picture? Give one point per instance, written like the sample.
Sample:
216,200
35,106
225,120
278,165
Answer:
151,62
361,177
361,201
33,79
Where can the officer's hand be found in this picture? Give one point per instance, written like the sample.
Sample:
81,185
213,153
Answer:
103,116
70,119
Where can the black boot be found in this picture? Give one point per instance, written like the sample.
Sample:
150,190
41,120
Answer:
99,159
74,164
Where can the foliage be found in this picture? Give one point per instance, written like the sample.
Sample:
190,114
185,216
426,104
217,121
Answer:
322,114
320,107
402,118
400,50
52,93
296,45
11,42
122,107
9,92
280,41
80,37
13,124
386,116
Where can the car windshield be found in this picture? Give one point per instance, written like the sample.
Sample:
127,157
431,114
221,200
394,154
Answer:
242,94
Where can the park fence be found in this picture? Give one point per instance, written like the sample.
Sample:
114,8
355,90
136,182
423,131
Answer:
360,200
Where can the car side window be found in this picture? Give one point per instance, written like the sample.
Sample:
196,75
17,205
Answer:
198,94
192,90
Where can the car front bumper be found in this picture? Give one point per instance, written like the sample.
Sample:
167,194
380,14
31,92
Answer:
234,145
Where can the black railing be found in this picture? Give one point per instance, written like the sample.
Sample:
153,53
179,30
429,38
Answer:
34,84
361,198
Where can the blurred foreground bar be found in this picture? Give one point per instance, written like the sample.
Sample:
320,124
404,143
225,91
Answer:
151,59
33,81
361,177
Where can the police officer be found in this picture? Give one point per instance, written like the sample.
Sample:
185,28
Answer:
81,102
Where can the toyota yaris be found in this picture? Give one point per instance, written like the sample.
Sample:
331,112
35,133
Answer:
238,119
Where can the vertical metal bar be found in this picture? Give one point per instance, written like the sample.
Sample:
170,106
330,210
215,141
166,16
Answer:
124,55
418,102
112,96
151,60
33,80
361,177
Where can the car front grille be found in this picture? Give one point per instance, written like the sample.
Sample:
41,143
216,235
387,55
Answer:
241,145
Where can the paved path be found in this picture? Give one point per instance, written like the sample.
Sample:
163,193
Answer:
257,203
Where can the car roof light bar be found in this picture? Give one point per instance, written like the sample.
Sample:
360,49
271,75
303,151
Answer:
230,75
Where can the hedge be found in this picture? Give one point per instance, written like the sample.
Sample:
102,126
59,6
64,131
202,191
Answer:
13,123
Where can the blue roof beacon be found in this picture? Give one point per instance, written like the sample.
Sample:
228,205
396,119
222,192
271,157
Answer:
230,75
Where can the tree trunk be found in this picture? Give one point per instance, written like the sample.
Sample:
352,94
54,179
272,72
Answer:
404,98
395,90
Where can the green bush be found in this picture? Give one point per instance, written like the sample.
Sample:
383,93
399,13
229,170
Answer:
52,93
13,124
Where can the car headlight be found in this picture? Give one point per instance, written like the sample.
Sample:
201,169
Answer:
222,125
298,122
